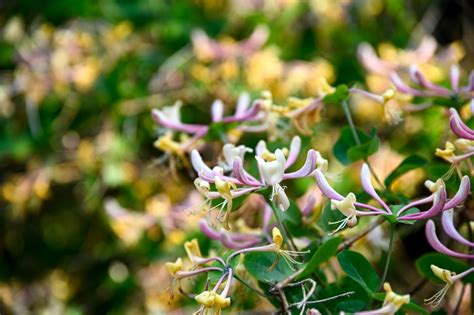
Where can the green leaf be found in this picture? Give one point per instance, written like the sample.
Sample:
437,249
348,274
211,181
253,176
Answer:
358,268
347,150
423,264
341,94
258,265
412,162
324,252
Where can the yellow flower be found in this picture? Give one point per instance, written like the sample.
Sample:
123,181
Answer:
443,274
448,153
173,268
277,238
206,298
192,249
393,301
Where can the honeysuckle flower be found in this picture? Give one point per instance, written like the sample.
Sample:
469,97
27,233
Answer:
347,208
451,231
213,302
392,113
449,278
231,151
429,89
272,170
348,205
169,117
192,250
245,238
383,66
458,126
448,154
277,247
391,304
207,49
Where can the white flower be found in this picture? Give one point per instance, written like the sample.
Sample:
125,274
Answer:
347,208
230,152
271,172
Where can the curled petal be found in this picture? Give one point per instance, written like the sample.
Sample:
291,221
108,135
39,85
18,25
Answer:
217,110
470,86
371,61
458,126
437,207
309,206
416,203
454,77
402,86
234,193
245,116
450,229
306,169
325,188
162,120
208,231
242,175
432,238
242,104
421,80
295,148
461,194
228,242
199,166
366,178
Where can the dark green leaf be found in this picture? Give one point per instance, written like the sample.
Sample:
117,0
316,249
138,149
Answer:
341,94
412,162
324,252
258,265
358,268
347,150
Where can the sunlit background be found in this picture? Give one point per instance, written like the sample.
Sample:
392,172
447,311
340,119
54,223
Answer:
91,206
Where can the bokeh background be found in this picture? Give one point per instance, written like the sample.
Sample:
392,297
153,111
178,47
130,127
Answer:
90,209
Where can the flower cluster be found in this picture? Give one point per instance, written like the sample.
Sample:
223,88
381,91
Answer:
348,205
272,167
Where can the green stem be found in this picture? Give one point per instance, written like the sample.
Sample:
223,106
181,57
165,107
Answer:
389,255
288,240
347,112
248,285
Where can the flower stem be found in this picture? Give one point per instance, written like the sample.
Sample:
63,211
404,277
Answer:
288,240
347,112
248,285
389,255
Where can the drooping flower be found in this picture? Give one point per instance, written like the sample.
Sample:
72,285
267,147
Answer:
449,278
451,231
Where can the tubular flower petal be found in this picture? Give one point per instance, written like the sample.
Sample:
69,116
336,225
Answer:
366,178
217,110
230,152
461,195
458,126
450,229
192,249
437,207
295,148
430,230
